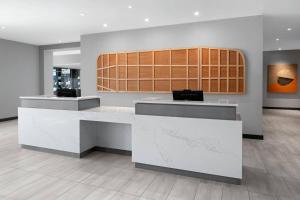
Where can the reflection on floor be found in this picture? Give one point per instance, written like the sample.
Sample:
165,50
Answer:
271,171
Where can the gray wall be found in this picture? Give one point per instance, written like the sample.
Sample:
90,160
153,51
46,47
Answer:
19,75
277,99
241,33
47,70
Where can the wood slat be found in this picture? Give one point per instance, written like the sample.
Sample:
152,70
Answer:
146,58
213,70
162,57
179,57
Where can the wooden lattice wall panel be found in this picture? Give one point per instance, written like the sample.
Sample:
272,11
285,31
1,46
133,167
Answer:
213,70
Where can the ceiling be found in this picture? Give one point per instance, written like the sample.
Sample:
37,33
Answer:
42,22
279,15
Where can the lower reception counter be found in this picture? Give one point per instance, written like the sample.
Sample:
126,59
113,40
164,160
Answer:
192,138
199,139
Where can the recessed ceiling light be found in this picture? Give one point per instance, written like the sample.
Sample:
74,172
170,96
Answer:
277,39
289,29
196,13
105,25
3,27
130,6
82,14
147,19
279,49
59,41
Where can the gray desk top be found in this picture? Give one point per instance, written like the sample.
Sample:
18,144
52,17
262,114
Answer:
54,98
221,102
60,103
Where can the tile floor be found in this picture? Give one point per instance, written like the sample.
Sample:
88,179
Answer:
271,171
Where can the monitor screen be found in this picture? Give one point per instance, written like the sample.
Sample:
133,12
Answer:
190,95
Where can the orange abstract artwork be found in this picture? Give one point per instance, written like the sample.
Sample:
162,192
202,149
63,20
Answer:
282,78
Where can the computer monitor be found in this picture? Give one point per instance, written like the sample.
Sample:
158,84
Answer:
68,93
190,95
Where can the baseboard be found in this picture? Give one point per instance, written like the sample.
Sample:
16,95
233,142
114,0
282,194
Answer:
46,150
280,108
190,173
78,155
8,119
255,137
115,151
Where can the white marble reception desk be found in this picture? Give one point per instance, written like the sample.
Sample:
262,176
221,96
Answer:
191,138
71,132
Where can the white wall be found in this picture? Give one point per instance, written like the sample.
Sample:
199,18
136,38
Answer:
19,75
241,33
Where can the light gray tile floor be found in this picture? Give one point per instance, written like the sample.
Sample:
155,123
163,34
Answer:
271,171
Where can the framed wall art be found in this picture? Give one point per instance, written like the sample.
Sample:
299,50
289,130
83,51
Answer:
282,78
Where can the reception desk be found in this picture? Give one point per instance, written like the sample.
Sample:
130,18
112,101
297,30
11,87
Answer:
200,139
72,132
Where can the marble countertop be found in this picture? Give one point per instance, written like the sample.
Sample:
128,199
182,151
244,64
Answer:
48,97
157,100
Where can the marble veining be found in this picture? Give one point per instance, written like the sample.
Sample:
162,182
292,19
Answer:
182,143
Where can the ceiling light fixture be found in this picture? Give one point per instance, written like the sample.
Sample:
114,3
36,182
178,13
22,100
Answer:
289,29
59,41
82,14
277,39
3,27
279,49
196,13
130,6
147,19
105,25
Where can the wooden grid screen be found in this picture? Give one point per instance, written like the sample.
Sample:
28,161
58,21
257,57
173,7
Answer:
213,70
